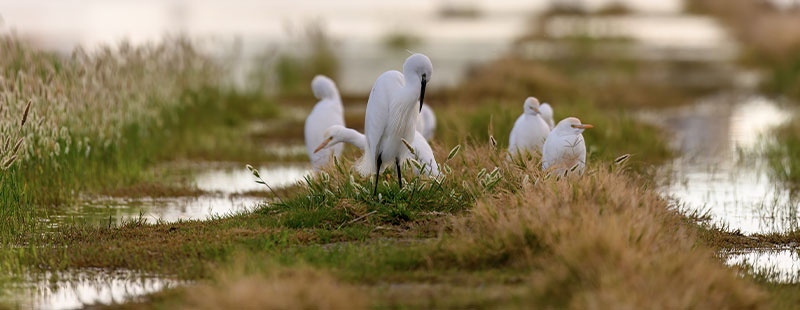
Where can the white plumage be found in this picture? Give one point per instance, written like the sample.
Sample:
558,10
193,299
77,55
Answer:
547,114
392,112
327,112
426,123
529,131
565,147
424,154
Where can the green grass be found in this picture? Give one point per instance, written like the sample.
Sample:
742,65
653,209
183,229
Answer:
615,132
208,125
783,154
528,240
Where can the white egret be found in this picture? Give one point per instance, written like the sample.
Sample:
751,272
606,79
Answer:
392,112
327,112
547,114
565,147
529,131
424,154
426,123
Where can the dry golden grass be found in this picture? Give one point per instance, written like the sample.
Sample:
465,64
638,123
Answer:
601,241
282,289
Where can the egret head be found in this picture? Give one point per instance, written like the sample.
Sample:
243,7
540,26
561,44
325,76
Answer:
324,88
420,66
333,135
571,125
532,106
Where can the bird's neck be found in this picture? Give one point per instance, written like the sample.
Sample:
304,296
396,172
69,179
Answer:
355,138
413,84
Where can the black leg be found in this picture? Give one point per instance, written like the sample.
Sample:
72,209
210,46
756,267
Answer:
399,175
377,174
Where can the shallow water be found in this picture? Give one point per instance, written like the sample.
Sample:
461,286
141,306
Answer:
777,265
359,29
76,288
714,172
227,187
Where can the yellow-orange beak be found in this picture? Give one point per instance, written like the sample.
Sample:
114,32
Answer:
323,144
583,126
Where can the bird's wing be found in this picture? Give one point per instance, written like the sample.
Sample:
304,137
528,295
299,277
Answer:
430,121
552,150
377,116
425,154
512,138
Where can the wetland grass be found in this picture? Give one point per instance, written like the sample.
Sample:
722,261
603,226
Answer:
96,121
529,240
783,154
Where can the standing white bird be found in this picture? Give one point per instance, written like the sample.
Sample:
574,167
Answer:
328,112
565,147
424,154
529,131
392,112
426,123
547,114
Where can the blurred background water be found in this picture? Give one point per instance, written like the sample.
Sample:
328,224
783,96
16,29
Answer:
456,35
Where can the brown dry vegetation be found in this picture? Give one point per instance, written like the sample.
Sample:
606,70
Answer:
600,241
281,289
603,240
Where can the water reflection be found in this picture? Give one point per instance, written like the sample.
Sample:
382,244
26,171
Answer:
240,180
712,174
225,183
77,288
780,266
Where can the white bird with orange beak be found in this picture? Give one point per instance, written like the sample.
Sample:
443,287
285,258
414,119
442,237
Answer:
565,147
529,131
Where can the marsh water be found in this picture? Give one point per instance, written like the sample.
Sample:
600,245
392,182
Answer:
226,189
456,35
713,173
76,288
719,171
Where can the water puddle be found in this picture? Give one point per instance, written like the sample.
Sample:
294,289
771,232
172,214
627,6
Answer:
77,288
713,174
779,266
232,190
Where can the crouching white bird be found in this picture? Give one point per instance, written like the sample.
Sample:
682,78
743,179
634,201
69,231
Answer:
424,154
426,123
326,113
547,114
392,112
529,131
565,147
